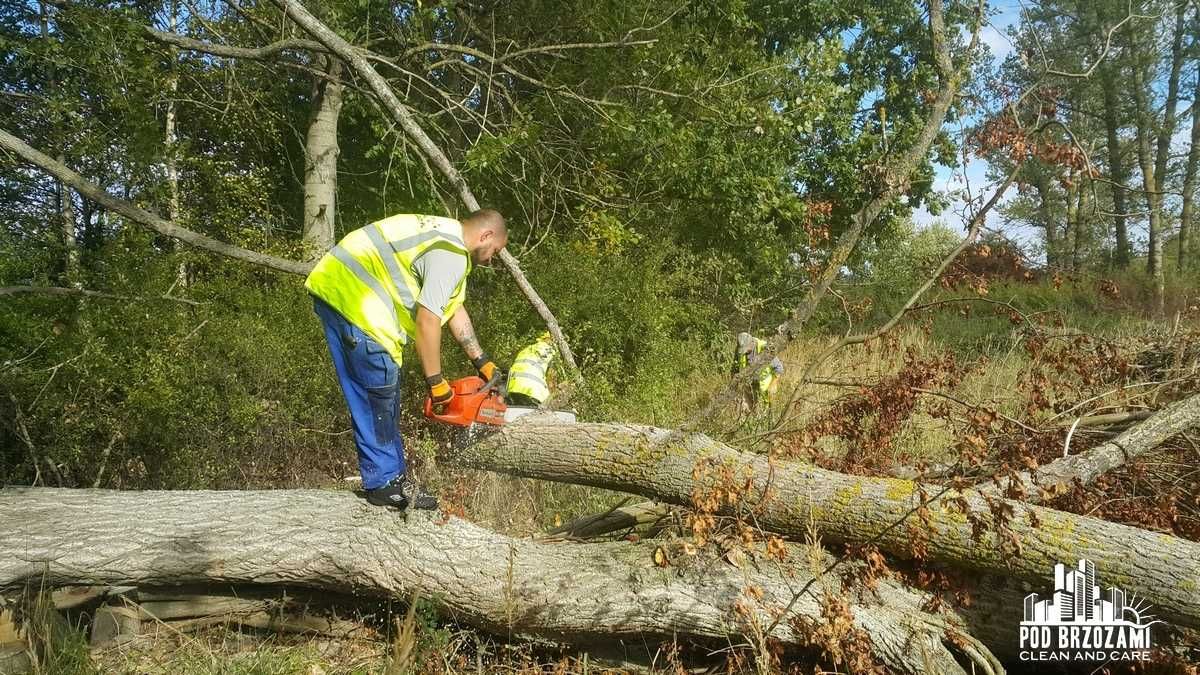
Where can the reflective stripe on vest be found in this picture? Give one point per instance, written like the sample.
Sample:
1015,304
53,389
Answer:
369,279
528,373
528,377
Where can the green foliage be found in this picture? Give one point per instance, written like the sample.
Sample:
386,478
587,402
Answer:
641,319
150,392
904,259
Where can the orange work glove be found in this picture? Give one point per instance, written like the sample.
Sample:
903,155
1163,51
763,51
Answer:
484,366
439,392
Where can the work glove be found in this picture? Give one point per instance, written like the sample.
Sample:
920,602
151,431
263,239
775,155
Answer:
486,367
439,392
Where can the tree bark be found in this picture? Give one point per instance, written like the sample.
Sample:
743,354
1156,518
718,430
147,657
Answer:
1149,181
1154,167
321,161
1070,231
66,220
1079,224
1165,131
787,497
65,200
582,594
1116,166
171,139
1046,213
1118,172
404,117
1189,182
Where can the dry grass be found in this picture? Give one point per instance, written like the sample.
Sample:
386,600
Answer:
990,380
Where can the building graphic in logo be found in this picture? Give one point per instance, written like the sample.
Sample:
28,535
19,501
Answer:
1080,622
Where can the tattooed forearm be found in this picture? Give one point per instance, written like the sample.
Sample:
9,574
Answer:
464,333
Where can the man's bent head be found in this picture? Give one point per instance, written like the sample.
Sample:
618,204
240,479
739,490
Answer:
485,234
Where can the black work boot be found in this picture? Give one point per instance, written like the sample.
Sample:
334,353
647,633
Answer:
402,493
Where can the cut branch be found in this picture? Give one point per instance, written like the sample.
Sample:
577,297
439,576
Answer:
620,517
1060,475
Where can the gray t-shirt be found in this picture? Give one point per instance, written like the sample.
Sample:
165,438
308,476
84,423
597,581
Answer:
439,272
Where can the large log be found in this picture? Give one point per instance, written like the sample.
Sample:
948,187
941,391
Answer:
581,594
786,497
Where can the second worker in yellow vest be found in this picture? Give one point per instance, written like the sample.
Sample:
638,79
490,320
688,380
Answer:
396,281
767,380
527,378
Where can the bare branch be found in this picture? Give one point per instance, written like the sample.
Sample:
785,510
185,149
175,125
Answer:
140,215
60,290
229,51
501,63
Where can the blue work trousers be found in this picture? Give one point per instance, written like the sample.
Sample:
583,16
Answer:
370,381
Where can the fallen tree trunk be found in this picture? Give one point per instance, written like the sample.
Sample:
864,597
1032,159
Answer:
786,497
1058,476
568,593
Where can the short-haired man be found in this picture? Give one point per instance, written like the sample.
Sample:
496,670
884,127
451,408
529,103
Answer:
394,281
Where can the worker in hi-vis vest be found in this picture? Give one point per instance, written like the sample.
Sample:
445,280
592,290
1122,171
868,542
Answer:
767,380
396,281
527,378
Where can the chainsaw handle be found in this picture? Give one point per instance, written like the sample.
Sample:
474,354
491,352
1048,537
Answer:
492,382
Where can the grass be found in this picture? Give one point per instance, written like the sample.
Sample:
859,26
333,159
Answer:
230,652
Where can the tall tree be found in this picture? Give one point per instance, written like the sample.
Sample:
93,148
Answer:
1192,165
321,158
65,198
1153,161
1109,76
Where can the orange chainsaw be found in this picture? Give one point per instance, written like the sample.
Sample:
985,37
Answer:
479,402
474,401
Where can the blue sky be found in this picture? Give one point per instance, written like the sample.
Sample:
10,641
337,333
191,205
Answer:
972,179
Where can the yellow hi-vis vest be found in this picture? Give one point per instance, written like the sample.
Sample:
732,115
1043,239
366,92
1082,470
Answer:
528,373
368,277
765,376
